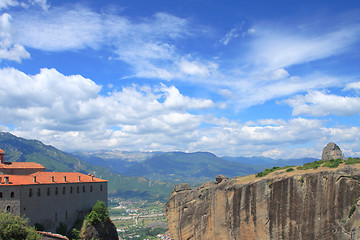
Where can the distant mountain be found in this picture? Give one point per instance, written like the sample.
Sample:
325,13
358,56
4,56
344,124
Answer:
264,162
22,150
189,167
116,161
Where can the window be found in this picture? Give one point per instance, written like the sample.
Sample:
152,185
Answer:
101,187
70,189
0,194
56,191
48,191
83,188
55,216
12,194
39,192
91,189
8,209
64,190
66,215
30,192
78,189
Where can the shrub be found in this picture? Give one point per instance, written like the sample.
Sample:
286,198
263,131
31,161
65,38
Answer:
352,210
14,227
290,170
99,213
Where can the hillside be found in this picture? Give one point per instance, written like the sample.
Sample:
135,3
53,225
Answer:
190,167
22,150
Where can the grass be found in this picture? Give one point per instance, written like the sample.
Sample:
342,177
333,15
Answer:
270,170
313,165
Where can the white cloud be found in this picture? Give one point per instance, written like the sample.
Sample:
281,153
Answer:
197,68
69,113
8,49
353,85
6,3
58,29
278,49
57,109
317,103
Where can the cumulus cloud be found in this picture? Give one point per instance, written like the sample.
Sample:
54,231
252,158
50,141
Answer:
317,103
69,113
9,49
50,105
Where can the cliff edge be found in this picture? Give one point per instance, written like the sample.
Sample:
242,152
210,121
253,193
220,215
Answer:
302,204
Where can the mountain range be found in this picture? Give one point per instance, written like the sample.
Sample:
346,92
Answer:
138,174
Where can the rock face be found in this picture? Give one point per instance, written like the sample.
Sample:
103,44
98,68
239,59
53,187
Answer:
332,151
101,231
317,204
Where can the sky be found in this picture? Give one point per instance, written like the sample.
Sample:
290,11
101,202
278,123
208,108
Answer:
278,79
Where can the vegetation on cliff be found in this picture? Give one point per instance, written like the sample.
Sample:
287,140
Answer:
333,163
14,227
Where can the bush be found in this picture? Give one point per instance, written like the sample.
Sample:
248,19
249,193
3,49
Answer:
352,161
99,213
290,170
14,227
352,210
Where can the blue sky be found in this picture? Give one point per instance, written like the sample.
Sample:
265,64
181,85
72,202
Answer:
239,78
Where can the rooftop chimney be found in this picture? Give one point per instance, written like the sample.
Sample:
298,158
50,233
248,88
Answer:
92,177
79,178
64,178
52,178
34,179
6,179
2,156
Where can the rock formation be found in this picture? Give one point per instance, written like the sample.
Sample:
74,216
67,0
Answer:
100,231
332,151
307,204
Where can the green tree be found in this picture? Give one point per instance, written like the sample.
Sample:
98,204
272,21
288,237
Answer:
14,227
99,213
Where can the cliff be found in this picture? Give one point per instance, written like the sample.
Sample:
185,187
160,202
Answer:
302,204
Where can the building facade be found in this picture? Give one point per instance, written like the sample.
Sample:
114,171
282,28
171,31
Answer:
48,198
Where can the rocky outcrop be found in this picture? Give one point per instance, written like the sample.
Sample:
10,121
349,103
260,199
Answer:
100,231
312,204
332,151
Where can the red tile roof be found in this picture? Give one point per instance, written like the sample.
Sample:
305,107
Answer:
49,178
2,151
21,165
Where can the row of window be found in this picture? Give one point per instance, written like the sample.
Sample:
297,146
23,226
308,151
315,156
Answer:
12,195
48,192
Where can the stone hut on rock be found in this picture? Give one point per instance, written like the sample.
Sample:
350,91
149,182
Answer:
47,198
332,152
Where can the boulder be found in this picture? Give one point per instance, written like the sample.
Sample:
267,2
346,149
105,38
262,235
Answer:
332,152
182,187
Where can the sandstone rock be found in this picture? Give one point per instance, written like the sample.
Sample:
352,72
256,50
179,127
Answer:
182,187
220,178
332,151
101,231
311,205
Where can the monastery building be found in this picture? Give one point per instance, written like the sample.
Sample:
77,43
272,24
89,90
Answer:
47,198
